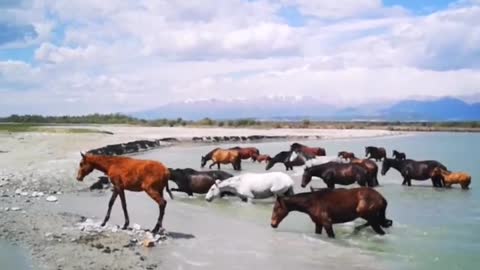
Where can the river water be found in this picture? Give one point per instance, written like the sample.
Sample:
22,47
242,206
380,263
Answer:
433,228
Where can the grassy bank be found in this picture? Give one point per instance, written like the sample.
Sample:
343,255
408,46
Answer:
31,127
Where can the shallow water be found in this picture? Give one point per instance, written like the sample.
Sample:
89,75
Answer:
12,257
433,228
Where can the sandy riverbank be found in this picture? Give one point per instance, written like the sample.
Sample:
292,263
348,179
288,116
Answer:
47,162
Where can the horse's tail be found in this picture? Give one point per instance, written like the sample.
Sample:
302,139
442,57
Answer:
384,221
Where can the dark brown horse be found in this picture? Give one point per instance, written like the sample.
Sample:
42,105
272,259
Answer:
327,207
346,155
129,174
247,152
308,152
370,166
191,181
222,156
338,173
377,153
416,170
399,155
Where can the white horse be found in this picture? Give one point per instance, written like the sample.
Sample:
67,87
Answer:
253,186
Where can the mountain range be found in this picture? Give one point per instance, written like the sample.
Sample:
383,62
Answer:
302,107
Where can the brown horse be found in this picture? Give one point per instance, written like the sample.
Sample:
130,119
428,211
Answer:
308,152
247,152
451,178
222,156
370,166
346,155
261,158
129,174
327,207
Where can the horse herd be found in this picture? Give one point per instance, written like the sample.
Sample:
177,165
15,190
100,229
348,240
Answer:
325,206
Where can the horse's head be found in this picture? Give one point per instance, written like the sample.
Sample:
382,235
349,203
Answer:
306,178
340,154
85,168
280,211
203,161
386,165
295,147
367,150
213,192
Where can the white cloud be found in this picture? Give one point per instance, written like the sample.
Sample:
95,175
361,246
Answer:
135,55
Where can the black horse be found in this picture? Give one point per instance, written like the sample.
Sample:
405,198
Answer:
286,158
416,170
191,181
338,173
377,153
399,155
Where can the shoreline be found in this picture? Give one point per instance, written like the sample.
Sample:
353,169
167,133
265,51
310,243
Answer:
42,162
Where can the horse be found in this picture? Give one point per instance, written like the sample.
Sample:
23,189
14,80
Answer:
247,152
288,158
191,181
370,166
416,170
451,178
398,155
327,207
346,155
377,153
261,158
129,174
222,156
253,186
337,173
309,152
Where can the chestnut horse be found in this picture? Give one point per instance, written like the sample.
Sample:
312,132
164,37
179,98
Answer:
129,174
346,155
398,155
261,158
222,156
370,166
451,178
377,153
327,207
308,152
247,152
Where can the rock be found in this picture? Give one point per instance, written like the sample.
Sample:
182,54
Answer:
99,246
51,199
37,194
18,191
24,193
15,209
148,243
107,250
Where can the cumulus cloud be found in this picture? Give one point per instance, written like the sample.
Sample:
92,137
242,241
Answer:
105,56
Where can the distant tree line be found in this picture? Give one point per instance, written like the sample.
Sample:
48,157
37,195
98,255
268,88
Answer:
118,118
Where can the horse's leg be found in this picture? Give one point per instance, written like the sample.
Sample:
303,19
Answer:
409,182
377,228
360,227
329,229
218,165
318,228
110,204
211,165
124,207
157,197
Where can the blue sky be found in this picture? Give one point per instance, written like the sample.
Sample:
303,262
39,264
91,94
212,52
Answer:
83,56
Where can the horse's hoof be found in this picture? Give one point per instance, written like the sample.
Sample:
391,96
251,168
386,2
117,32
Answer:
103,224
125,227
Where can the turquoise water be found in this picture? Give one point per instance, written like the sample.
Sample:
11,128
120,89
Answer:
11,257
433,228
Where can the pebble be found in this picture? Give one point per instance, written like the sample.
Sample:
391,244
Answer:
15,209
51,199
24,193
37,194
18,191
